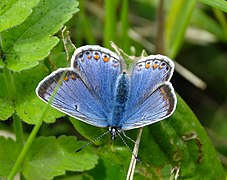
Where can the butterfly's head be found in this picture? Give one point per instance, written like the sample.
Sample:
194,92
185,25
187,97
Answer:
114,131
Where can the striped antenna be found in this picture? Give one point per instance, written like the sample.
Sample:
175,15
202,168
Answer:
92,141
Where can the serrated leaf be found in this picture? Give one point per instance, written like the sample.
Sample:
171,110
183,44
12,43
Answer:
22,56
9,9
30,109
6,109
31,41
49,157
8,155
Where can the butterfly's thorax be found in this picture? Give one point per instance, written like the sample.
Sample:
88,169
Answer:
120,101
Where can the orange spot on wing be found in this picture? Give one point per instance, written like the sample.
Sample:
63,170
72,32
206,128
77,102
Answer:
66,78
147,65
96,57
89,56
155,66
106,58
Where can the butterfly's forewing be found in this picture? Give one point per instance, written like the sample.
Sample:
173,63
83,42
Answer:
159,105
99,68
152,96
72,96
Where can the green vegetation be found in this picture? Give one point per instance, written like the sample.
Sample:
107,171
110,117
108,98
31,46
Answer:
39,142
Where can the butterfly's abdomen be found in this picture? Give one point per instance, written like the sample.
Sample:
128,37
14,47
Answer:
121,97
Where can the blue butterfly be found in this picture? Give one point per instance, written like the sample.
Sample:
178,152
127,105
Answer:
97,89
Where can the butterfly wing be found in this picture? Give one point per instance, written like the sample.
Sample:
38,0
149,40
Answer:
152,96
87,89
99,68
159,105
72,96
146,74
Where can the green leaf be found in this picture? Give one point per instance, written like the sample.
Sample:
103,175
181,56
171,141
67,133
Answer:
8,155
31,41
109,169
6,109
73,176
222,5
49,157
27,104
179,141
29,109
177,21
89,131
26,81
9,9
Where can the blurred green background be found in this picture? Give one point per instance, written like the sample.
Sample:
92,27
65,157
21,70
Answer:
191,32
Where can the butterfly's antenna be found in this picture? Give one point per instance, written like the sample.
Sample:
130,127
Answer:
128,147
92,141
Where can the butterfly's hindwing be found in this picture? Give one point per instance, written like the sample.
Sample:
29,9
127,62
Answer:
159,105
72,97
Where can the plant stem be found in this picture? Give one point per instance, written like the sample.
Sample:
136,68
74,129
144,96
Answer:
125,44
17,124
9,83
132,166
26,147
110,23
160,29
86,26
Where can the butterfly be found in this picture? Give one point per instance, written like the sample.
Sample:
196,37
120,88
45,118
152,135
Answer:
98,90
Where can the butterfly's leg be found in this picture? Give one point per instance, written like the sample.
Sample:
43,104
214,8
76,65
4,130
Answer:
128,137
